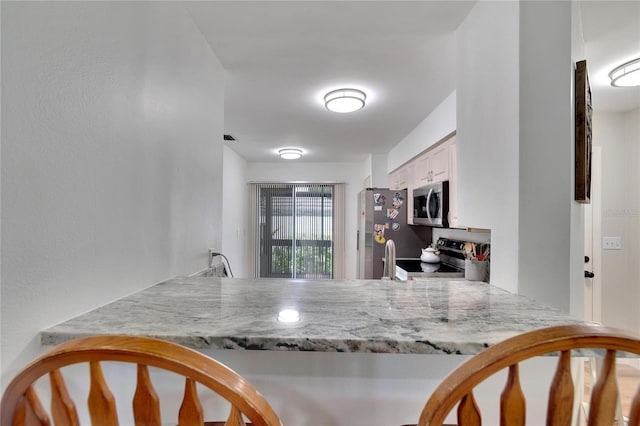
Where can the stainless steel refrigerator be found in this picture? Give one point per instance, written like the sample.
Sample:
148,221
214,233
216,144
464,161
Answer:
383,216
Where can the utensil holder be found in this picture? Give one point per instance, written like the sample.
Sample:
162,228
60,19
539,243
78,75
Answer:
475,270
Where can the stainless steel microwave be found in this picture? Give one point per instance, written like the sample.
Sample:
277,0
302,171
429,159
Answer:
431,204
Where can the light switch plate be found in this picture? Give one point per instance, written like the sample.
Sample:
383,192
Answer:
612,243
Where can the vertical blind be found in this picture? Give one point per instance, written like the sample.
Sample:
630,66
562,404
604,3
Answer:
294,230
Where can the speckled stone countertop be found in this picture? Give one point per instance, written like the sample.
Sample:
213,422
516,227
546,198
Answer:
435,316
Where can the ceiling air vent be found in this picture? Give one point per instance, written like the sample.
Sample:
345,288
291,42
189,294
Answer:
229,138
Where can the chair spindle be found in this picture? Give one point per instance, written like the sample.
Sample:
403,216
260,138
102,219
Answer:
513,407
30,411
146,404
102,405
560,404
468,411
235,417
190,413
512,403
604,397
20,413
63,410
634,415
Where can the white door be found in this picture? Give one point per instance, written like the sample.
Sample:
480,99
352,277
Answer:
593,243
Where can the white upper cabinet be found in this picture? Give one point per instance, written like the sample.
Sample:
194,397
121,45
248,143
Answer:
399,178
409,201
432,166
453,183
422,171
440,163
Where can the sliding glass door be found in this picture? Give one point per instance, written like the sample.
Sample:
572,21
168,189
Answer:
295,230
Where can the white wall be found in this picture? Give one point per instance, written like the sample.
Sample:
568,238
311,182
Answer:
577,248
546,153
111,158
487,131
632,136
235,212
619,136
379,174
374,174
349,173
435,127
367,171
515,145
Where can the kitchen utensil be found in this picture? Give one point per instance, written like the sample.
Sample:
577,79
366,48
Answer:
468,249
429,255
475,270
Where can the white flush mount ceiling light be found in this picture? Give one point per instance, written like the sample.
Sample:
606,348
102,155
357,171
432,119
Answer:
345,100
626,75
290,153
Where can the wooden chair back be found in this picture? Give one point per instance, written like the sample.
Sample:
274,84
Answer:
457,388
21,405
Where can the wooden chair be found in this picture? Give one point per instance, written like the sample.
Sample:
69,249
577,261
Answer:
457,388
21,405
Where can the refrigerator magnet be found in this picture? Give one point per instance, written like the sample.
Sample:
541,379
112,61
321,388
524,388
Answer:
378,230
397,200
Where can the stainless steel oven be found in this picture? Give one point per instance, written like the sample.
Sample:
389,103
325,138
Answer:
451,265
431,204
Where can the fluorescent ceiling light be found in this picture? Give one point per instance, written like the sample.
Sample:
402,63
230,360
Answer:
290,153
345,100
626,75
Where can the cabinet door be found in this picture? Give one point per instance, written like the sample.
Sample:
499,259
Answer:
403,181
414,176
398,179
440,163
409,200
453,184
422,171
393,180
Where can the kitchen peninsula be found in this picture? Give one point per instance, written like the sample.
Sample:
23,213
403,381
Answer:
419,317
362,352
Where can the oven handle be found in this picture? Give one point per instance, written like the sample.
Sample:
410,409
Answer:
429,202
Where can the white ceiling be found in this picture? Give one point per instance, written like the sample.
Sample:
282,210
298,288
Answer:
282,57
611,31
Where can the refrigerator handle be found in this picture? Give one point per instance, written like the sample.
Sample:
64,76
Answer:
358,240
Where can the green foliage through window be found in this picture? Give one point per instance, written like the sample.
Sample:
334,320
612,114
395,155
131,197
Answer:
296,238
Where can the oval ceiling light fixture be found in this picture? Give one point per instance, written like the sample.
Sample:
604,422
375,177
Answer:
345,100
290,153
626,75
